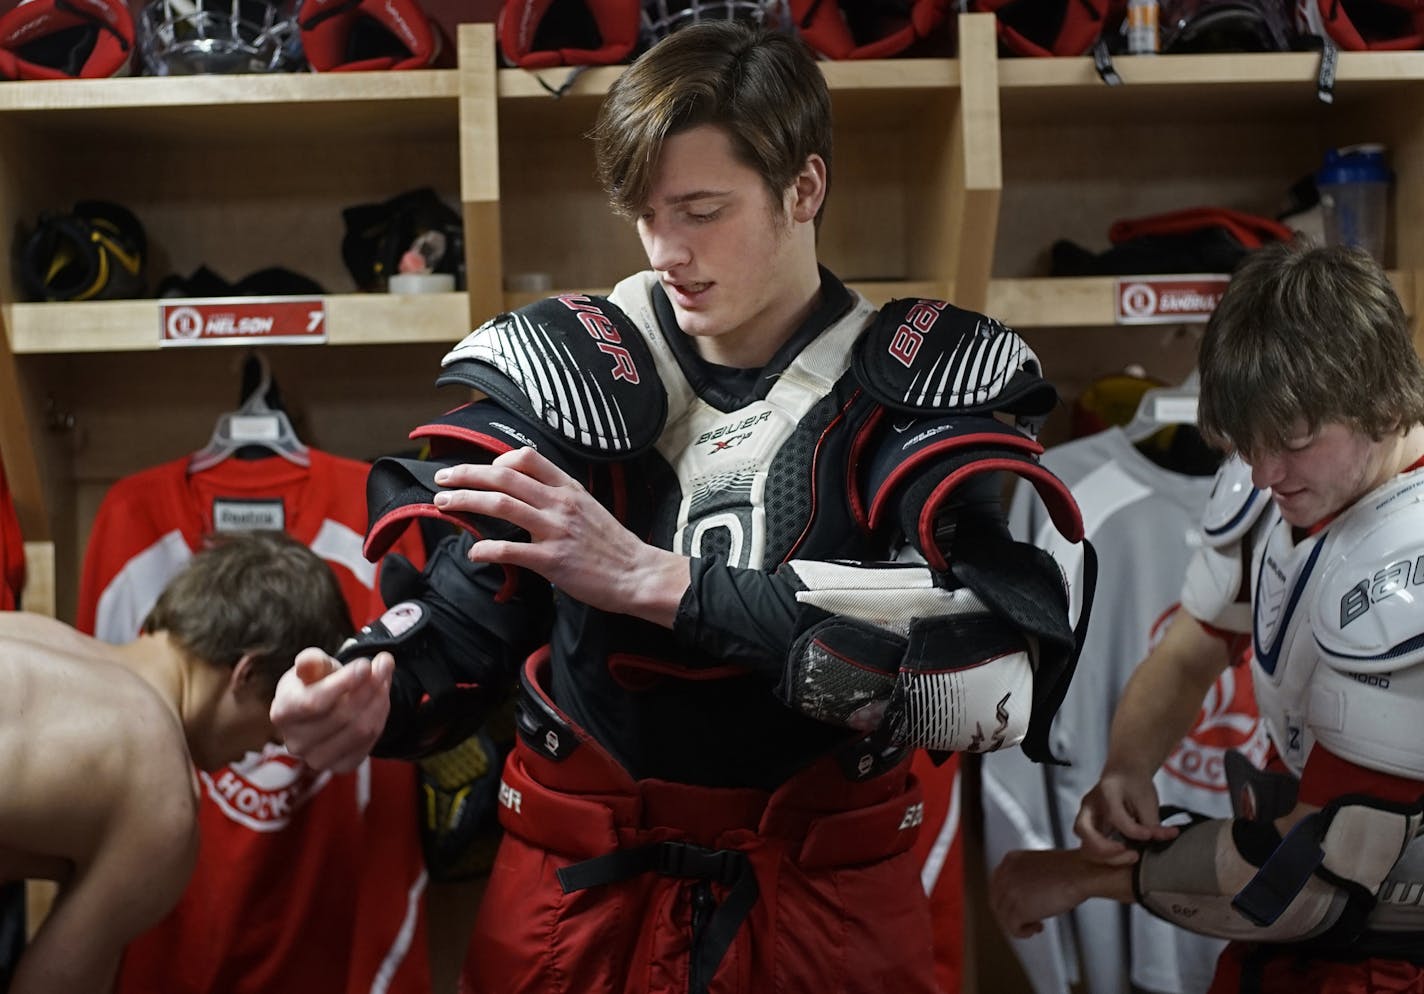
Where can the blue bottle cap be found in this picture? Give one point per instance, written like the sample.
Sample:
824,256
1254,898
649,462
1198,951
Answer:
1354,164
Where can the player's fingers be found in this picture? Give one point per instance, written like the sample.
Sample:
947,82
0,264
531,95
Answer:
312,664
531,463
1120,856
526,555
1086,827
493,501
383,668
1161,833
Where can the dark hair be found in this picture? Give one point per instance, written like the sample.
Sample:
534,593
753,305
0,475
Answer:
762,87
258,592
1308,334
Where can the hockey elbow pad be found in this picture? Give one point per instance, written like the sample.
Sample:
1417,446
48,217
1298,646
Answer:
1240,880
891,651
452,666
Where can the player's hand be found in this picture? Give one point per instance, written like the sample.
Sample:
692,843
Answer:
1031,885
1120,806
330,715
574,542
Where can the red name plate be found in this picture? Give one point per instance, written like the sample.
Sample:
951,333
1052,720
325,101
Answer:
1168,299
236,320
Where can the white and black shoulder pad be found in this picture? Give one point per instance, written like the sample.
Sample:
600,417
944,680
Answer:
1211,590
575,363
930,357
1234,504
1369,616
1367,701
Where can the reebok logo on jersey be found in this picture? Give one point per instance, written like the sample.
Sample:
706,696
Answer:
231,514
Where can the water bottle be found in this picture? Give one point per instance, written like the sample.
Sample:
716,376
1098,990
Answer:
1142,27
1354,194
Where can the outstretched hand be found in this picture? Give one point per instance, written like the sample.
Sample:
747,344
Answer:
1032,885
330,715
1120,806
574,541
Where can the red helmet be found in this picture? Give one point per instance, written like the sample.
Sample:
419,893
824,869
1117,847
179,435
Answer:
66,39
1050,27
537,34
1365,25
864,29
353,35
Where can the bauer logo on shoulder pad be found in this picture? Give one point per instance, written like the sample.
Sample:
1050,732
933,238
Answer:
575,363
605,335
923,356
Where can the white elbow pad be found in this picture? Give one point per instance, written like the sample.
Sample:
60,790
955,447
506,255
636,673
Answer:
941,669
1333,862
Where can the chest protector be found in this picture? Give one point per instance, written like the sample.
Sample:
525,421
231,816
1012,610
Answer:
1338,631
727,463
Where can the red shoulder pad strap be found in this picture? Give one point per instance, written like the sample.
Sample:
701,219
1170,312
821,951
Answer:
331,31
536,34
961,448
24,25
400,490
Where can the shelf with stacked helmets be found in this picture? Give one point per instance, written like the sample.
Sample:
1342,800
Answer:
236,173
1182,131
951,177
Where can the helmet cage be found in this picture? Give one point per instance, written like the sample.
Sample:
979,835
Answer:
661,18
189,37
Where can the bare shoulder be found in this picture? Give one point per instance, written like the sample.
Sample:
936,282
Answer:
92,755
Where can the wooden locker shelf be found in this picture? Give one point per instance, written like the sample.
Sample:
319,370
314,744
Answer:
1088,301
238,109
133,325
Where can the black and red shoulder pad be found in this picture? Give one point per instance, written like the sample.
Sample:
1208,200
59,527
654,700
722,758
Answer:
360,35
540,34
924,357
400,490
922,466
66,39
576,364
